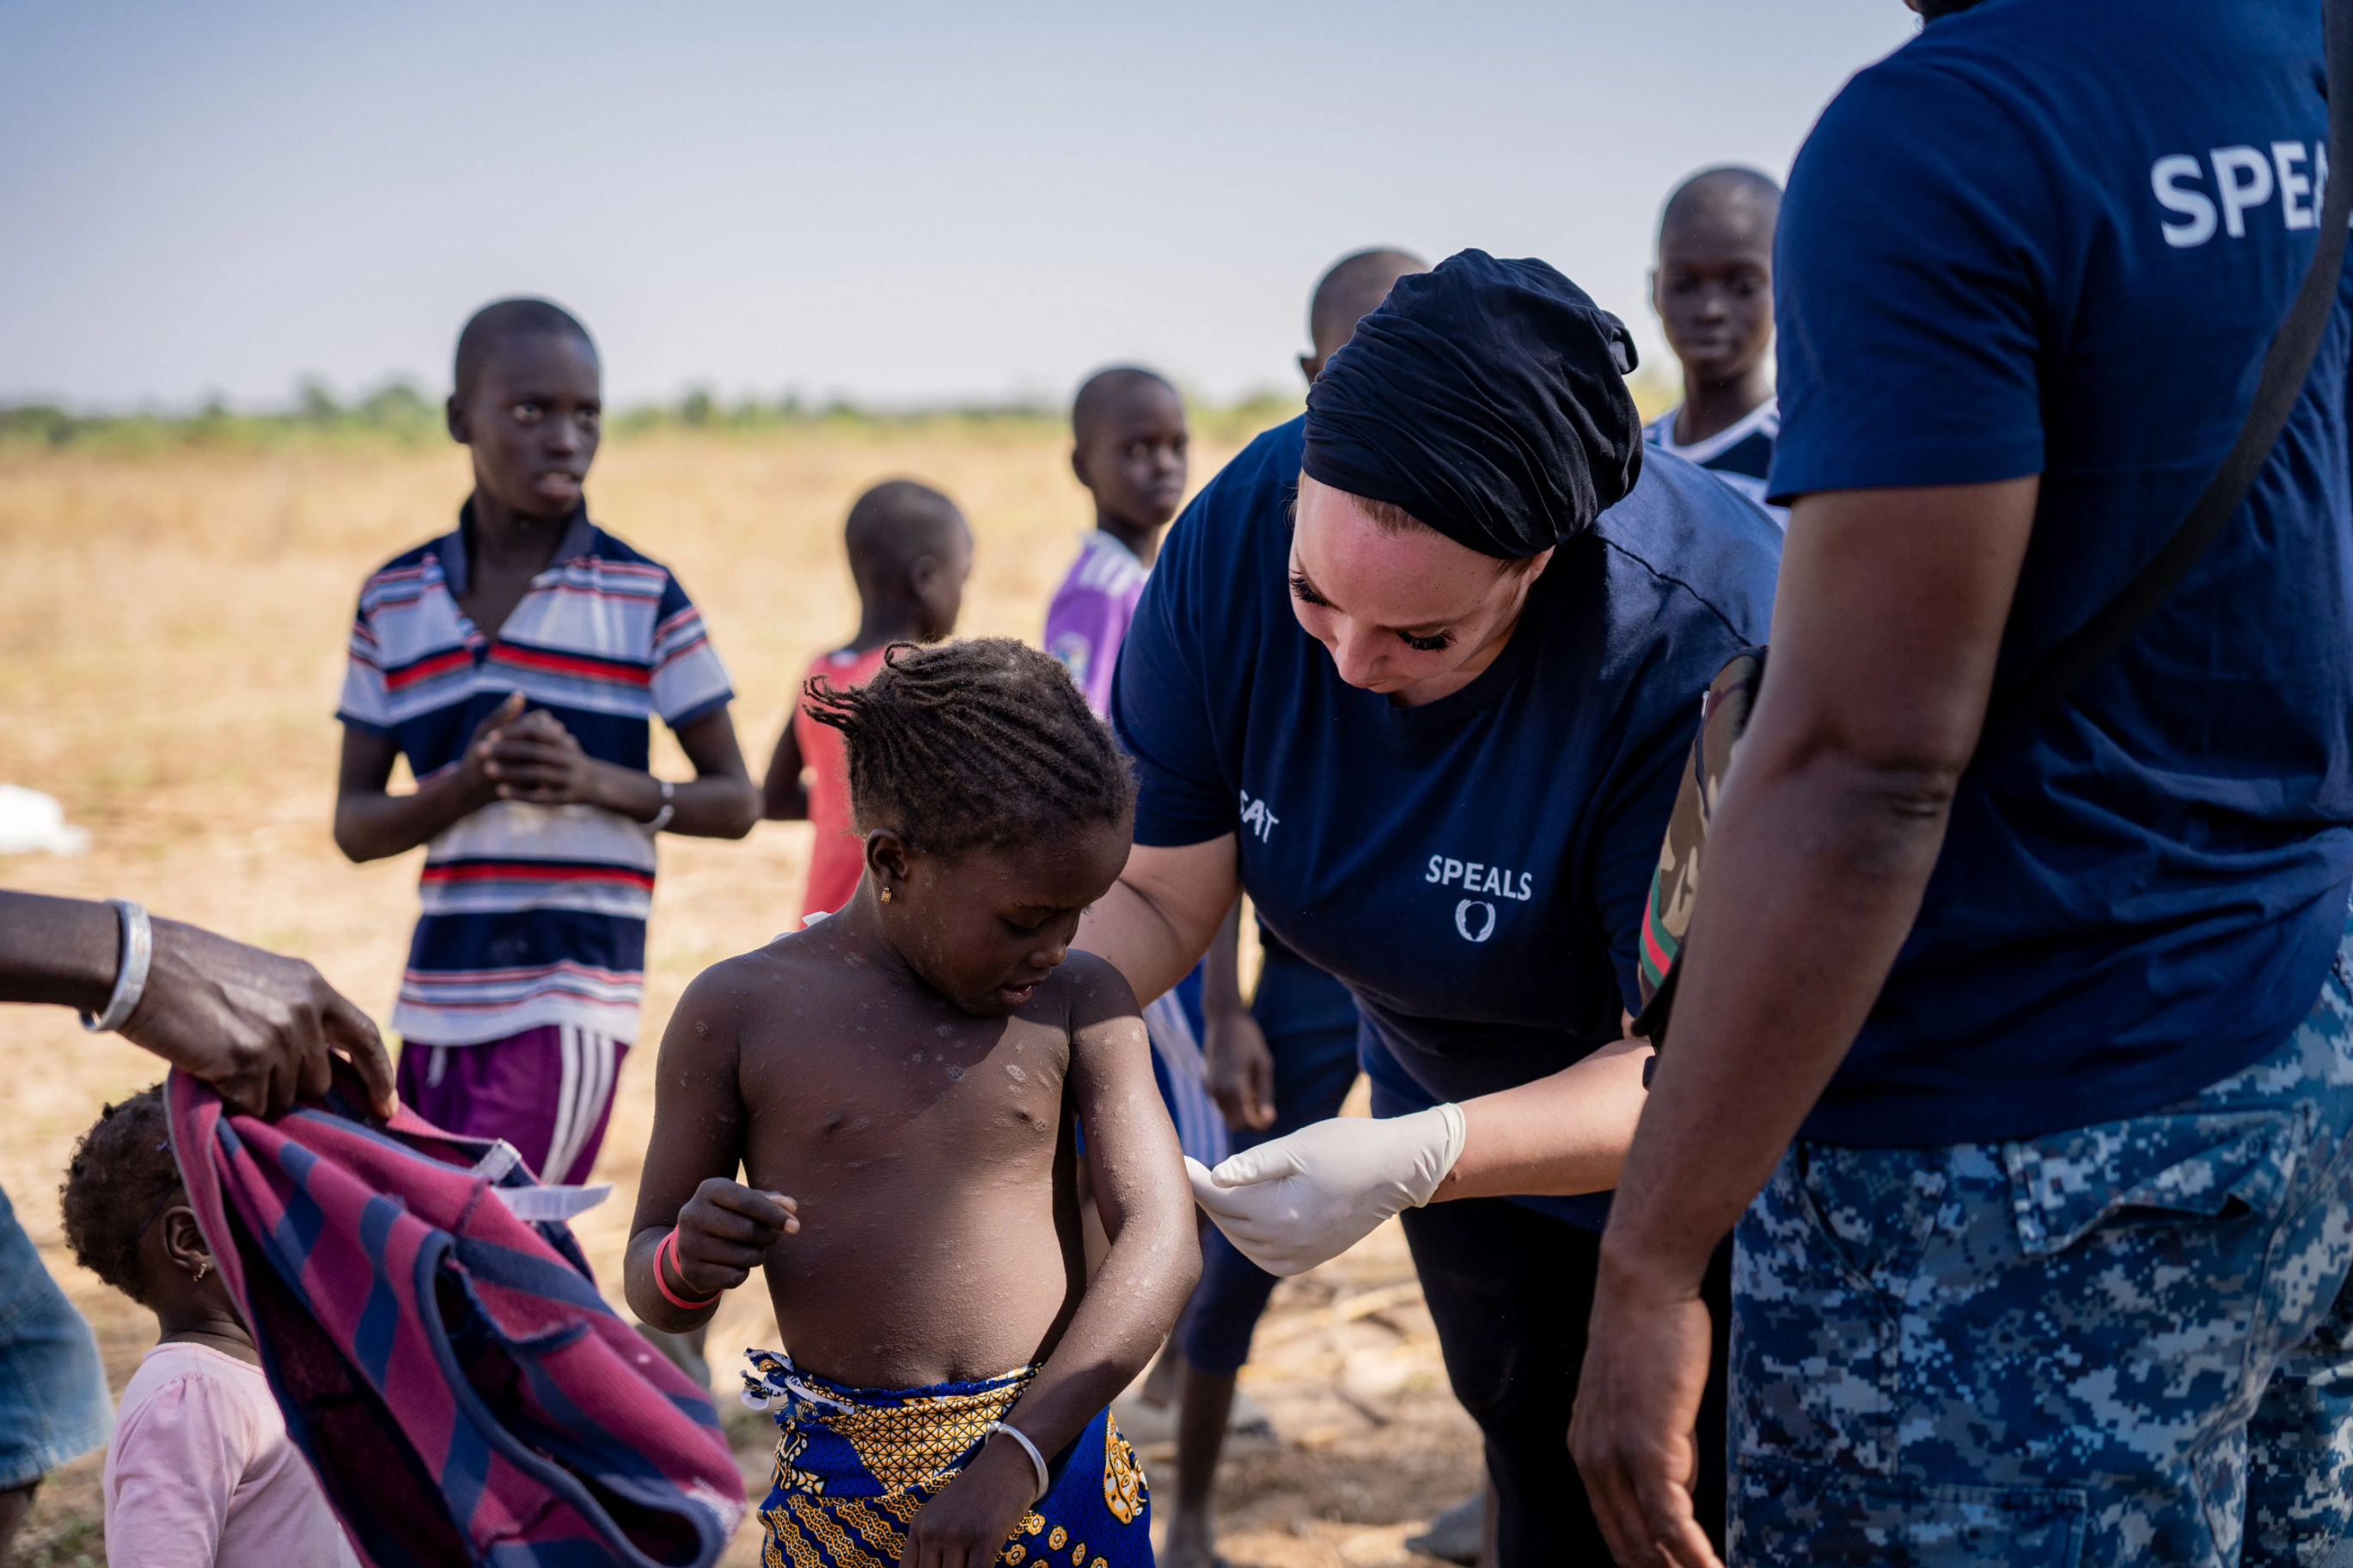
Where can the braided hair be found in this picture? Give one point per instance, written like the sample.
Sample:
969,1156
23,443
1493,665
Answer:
962,745
123,1172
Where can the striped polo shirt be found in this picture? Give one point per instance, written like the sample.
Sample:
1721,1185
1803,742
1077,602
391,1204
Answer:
1738,454
532,914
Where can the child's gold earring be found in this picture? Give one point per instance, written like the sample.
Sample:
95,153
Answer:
886,895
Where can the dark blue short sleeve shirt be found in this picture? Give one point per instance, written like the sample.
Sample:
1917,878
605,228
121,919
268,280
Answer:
1473,868
2054,237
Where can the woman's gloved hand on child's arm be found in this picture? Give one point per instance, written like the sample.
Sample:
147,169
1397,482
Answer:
1296,1201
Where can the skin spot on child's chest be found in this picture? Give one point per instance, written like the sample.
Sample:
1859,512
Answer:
952,1083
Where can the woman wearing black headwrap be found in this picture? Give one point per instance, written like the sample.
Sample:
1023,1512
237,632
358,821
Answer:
1419,672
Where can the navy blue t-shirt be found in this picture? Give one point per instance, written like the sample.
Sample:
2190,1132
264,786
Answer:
1473,870
2055,236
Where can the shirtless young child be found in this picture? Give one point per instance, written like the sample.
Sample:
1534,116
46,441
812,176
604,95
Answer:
912,1073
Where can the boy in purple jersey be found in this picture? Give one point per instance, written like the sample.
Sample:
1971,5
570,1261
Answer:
516,662
1128,440
1128,448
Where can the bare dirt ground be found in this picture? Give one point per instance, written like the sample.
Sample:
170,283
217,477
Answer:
172,631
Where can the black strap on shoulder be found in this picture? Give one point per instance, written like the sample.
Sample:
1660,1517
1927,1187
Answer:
2286,365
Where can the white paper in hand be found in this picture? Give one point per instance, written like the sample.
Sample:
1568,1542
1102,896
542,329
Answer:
1299,1200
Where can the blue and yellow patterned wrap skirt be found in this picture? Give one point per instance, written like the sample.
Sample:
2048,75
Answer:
854,1465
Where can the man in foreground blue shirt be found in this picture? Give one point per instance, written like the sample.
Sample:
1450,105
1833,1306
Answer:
2055,1268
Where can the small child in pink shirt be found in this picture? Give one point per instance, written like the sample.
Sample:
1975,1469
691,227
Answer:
200,1470
910,553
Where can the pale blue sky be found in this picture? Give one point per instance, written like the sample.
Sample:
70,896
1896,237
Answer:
894,202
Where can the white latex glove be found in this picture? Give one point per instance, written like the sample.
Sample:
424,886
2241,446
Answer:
1307,1196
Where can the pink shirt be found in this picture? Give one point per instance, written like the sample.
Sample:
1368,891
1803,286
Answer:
201,1470
837,857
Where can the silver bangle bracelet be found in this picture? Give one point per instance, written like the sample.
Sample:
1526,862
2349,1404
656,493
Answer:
1045,1476
130,971
668,810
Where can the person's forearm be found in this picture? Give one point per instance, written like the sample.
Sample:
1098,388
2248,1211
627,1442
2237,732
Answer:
1559,1136
372,824
1121,1321
646,1299
783,795
1137,939
253,1024
714,806
722,802
1221,969
1815,872
783,799
64,952
1159,917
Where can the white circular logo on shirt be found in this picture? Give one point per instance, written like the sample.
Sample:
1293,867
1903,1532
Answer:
1463,917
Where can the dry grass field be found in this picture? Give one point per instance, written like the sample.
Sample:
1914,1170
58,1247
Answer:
172,630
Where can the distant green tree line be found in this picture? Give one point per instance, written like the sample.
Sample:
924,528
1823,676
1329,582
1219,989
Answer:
400,413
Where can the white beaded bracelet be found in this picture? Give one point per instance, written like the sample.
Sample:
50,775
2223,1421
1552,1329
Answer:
130,973
1045,1476
668,810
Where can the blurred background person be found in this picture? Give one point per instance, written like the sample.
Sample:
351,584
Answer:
910,554
1713,288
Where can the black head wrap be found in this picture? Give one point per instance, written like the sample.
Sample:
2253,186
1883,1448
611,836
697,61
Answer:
1487,398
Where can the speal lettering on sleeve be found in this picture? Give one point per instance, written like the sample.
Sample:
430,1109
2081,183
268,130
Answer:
2223,191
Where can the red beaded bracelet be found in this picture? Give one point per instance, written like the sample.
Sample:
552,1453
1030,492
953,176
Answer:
668,1246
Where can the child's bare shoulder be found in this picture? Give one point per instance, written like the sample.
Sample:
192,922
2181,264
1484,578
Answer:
735,995
1092,990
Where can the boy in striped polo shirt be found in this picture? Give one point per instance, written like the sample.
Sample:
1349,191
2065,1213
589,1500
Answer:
517,662
1714,292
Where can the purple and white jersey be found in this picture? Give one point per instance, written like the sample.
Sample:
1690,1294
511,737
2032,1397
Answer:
1089,617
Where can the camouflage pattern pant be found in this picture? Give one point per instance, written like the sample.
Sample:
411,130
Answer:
2131,1342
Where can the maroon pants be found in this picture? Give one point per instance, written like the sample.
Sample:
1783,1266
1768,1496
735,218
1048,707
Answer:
548,1091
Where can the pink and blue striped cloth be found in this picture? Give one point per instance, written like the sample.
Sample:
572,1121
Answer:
443,1358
